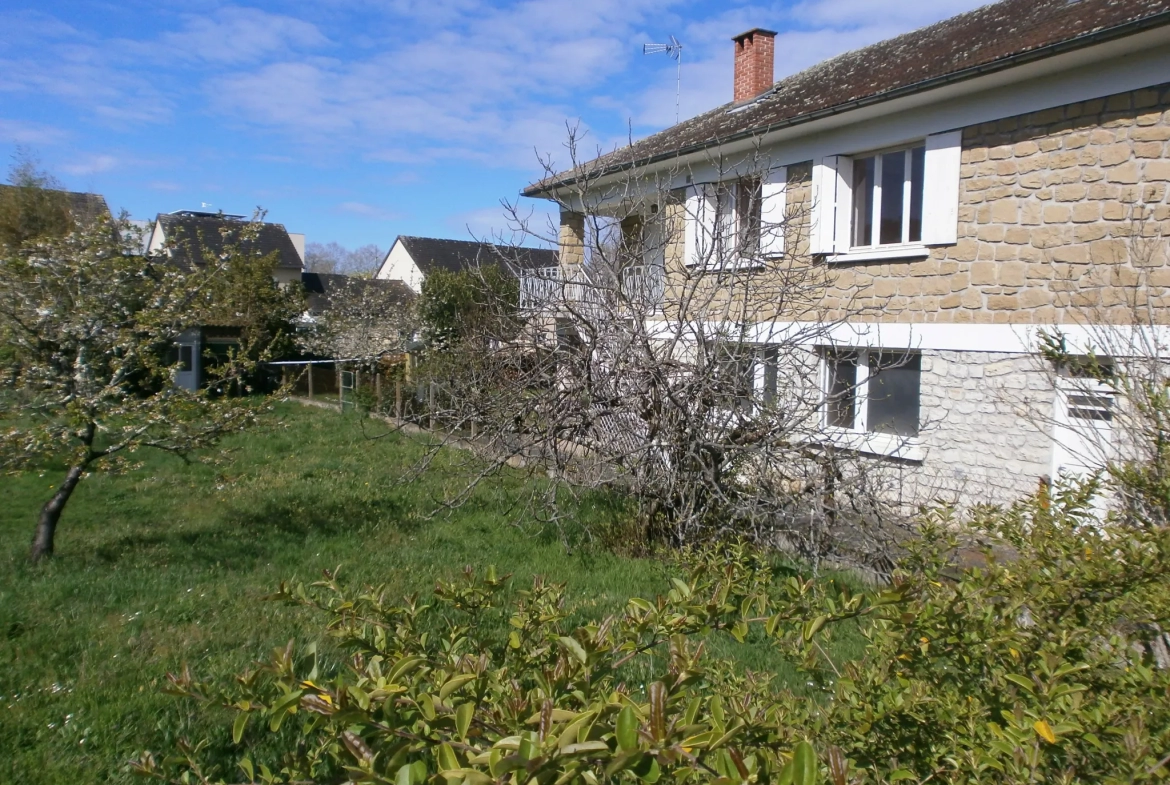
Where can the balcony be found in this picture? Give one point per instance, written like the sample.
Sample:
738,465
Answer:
553,288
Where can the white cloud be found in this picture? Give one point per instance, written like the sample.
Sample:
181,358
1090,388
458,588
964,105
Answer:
239,35
534,225
22,132
369,211
93,164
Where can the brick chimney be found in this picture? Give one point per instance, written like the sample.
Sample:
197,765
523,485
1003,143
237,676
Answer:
755,55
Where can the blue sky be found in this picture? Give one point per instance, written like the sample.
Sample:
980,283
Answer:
358,121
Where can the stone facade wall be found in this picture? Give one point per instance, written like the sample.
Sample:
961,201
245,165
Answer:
985,427
1048,206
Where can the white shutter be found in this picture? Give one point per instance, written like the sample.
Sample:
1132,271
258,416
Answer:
773,202
843,220
832,203
824,203
940,202
699,232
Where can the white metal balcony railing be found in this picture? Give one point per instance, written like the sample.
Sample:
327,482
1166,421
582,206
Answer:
552,287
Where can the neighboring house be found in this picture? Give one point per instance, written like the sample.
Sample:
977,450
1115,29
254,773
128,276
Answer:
962,186
187,237
83,208
351,318
411,259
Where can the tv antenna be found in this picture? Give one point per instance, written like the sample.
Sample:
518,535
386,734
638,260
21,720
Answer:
674,51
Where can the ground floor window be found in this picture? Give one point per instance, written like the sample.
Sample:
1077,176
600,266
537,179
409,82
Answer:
872,390
745,375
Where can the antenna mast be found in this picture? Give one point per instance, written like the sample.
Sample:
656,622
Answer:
674,51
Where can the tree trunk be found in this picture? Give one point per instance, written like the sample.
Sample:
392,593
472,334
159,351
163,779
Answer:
51,513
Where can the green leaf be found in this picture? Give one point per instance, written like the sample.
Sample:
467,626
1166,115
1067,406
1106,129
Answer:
811,628
463,716
454,683
238,727
740,630
445,758
806,768
574,648
403,667
404,775
647,769
1022,681
585,746
246,767
901,774
627,729
683,589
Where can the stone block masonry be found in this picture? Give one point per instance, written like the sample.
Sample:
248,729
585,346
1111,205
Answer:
1050,208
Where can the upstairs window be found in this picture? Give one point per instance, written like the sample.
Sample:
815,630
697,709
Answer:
887,204
735,222
748,215
887,197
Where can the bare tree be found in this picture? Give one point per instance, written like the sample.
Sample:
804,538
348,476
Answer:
675,358
336,258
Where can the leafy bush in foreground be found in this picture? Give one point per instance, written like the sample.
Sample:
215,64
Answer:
1041,664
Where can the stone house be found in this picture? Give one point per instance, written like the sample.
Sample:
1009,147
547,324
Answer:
959,188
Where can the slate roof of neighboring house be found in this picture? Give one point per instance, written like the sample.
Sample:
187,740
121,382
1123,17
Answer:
987,39
84,207
431,253
193,234
88,207
322,288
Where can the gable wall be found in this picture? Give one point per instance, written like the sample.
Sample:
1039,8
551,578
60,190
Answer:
399,265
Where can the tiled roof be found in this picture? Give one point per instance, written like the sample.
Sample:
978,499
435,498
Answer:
322,288
195,234
986,39
84,207
431,253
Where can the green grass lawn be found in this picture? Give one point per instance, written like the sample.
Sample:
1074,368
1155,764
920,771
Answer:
168,564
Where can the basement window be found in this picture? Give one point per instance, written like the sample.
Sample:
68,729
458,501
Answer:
872,391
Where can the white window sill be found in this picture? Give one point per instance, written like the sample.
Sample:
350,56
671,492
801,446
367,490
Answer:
904,448
878,253
757,263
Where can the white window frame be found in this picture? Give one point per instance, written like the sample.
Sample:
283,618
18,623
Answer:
875,209
832,229
708,224
859,438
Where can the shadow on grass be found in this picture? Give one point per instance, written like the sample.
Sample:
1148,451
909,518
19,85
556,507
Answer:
243,536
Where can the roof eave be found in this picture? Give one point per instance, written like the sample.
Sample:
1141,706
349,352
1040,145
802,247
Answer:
1021,58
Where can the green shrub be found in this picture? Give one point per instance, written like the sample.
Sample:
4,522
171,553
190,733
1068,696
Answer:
1039,663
